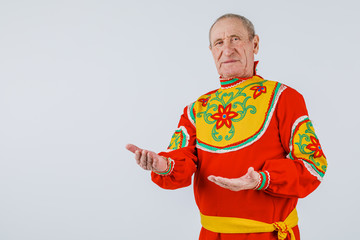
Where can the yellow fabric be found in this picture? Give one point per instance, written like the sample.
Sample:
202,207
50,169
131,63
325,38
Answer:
253,119
318,161
242,225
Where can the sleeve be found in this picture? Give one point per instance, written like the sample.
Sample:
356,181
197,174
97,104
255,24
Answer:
301,172
181,153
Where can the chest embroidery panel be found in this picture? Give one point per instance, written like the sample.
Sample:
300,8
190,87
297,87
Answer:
233,118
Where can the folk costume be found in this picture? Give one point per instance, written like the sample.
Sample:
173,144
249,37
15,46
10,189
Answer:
246,123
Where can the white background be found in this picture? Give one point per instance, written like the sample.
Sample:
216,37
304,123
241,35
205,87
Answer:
80,79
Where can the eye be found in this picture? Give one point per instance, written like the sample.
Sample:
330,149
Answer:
236,39
218,43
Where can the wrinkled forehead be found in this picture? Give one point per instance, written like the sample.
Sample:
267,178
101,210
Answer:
228,27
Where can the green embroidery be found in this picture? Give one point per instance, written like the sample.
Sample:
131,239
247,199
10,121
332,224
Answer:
178,140
306,137
303,146
245,109
214,134
232,133
304,141
192,112
175,142
206,115
247,141
239,105
263,181
230,81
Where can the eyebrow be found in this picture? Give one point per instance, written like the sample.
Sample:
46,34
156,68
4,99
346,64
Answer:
234,35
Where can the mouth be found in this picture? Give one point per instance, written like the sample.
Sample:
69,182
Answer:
229,61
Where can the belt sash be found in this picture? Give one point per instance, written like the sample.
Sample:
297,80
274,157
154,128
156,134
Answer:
243,225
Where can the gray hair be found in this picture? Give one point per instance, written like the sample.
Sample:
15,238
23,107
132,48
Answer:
247,23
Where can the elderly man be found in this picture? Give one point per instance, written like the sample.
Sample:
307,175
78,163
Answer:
250,144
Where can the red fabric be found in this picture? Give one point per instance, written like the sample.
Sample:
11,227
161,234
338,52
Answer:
289,179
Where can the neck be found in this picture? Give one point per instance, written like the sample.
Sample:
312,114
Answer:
247,75
228,82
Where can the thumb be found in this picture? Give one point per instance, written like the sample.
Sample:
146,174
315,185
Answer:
252,173
132,148
154,155
159,163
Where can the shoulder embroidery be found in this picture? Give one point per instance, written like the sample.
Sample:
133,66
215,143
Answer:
180,139
305,145
191,113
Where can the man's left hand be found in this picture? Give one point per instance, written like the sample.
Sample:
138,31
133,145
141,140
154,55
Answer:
246,182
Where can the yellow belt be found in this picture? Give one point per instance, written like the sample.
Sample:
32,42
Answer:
242,225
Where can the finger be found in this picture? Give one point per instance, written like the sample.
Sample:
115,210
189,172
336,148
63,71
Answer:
255,176
153,155
211,178
252,174
224,181
156,165
159,163
137,156
217,180
249,173
149,161
143,159
132,148
222,184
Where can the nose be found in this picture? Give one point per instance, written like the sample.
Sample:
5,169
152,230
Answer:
228,47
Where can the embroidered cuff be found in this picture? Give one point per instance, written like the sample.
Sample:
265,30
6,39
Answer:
171,164
264,181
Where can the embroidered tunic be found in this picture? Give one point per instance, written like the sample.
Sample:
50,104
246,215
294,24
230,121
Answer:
246,123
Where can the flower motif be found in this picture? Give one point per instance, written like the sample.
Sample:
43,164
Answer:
224,116
315,146
258,90
204,101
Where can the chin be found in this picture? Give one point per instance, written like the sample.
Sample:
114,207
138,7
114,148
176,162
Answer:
232,74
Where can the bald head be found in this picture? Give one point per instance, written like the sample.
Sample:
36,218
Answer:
233,48
246,22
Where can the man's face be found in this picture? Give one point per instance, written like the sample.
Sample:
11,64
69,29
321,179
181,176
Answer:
231,48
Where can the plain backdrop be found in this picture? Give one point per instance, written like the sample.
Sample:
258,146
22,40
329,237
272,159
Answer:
80,79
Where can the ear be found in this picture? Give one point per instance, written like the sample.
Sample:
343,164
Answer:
256,44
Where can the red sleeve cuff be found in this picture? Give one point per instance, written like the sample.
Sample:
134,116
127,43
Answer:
171,164
264,181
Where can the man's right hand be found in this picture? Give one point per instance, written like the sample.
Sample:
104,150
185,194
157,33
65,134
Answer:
148,160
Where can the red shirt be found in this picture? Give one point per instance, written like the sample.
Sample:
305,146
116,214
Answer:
246,123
